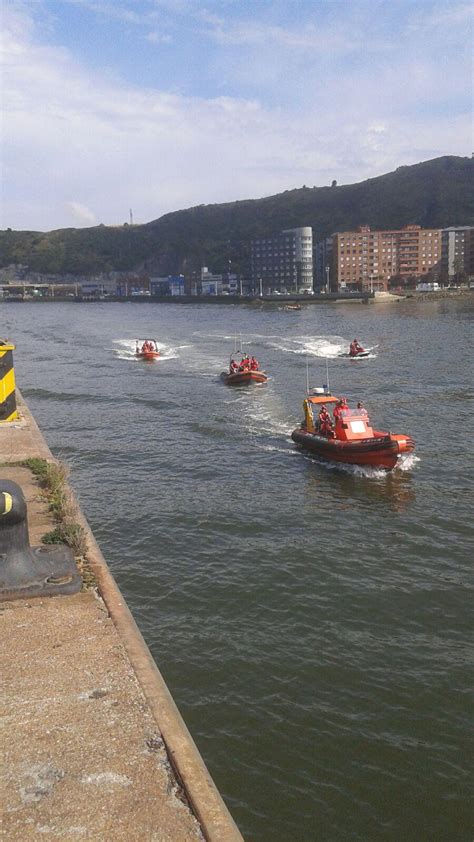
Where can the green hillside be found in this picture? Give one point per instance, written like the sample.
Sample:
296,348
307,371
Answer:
435,193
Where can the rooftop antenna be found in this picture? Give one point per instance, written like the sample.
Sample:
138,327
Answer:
131,217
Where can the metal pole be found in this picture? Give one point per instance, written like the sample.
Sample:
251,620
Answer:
241,286
327,278
261,293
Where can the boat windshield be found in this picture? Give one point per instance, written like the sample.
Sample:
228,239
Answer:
353,413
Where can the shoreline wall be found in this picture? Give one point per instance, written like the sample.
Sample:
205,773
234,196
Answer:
206,802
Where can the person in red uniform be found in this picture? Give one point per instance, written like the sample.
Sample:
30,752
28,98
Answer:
340,408
355,348
325,423
233,367
253,364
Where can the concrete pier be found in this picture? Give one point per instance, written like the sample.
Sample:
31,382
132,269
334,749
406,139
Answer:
93,744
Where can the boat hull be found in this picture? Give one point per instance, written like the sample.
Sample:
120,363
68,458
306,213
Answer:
243,378
147,355
382,451
362,355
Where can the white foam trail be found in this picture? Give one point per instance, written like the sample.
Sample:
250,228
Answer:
407,463
313,346
354,470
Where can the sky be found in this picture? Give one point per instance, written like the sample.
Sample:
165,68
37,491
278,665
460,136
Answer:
159,105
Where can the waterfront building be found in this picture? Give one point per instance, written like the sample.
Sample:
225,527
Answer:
99,287
323,264
211,284
283,261
230,283
456,251
367,260
170,285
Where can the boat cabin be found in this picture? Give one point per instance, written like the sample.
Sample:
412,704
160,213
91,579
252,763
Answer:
351,425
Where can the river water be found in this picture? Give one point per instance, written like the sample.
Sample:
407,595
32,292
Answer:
313,623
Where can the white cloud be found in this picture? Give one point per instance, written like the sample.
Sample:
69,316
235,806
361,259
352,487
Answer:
116,11
158,38
256,33
81,213
69,132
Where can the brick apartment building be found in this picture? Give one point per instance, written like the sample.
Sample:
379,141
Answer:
366,259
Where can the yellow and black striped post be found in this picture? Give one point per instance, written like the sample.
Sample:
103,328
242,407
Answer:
8,410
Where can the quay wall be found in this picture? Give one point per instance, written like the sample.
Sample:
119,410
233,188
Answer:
25,440
330,298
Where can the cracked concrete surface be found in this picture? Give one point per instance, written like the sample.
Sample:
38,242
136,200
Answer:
82,755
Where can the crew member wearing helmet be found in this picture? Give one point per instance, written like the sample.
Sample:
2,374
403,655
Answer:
325,423
340,408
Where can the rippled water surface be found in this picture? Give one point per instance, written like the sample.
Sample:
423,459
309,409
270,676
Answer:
313,624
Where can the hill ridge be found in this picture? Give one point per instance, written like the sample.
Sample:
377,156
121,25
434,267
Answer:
436,193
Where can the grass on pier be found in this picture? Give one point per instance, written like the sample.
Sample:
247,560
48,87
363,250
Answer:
52,477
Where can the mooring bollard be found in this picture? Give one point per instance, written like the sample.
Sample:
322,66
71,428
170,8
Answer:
8,410
27,571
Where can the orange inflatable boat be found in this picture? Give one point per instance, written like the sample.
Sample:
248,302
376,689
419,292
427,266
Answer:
350,437
148,350
243,370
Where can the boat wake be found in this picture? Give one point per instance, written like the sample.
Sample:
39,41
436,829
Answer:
407,462
125,350
313,346
364,471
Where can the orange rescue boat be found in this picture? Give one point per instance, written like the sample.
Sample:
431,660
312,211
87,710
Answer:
352,439
148,350
243,371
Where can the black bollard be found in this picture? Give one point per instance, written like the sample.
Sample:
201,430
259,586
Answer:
30,571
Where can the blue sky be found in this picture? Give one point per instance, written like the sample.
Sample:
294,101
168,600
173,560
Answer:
163,104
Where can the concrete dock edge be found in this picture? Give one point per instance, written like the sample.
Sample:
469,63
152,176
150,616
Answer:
206,802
